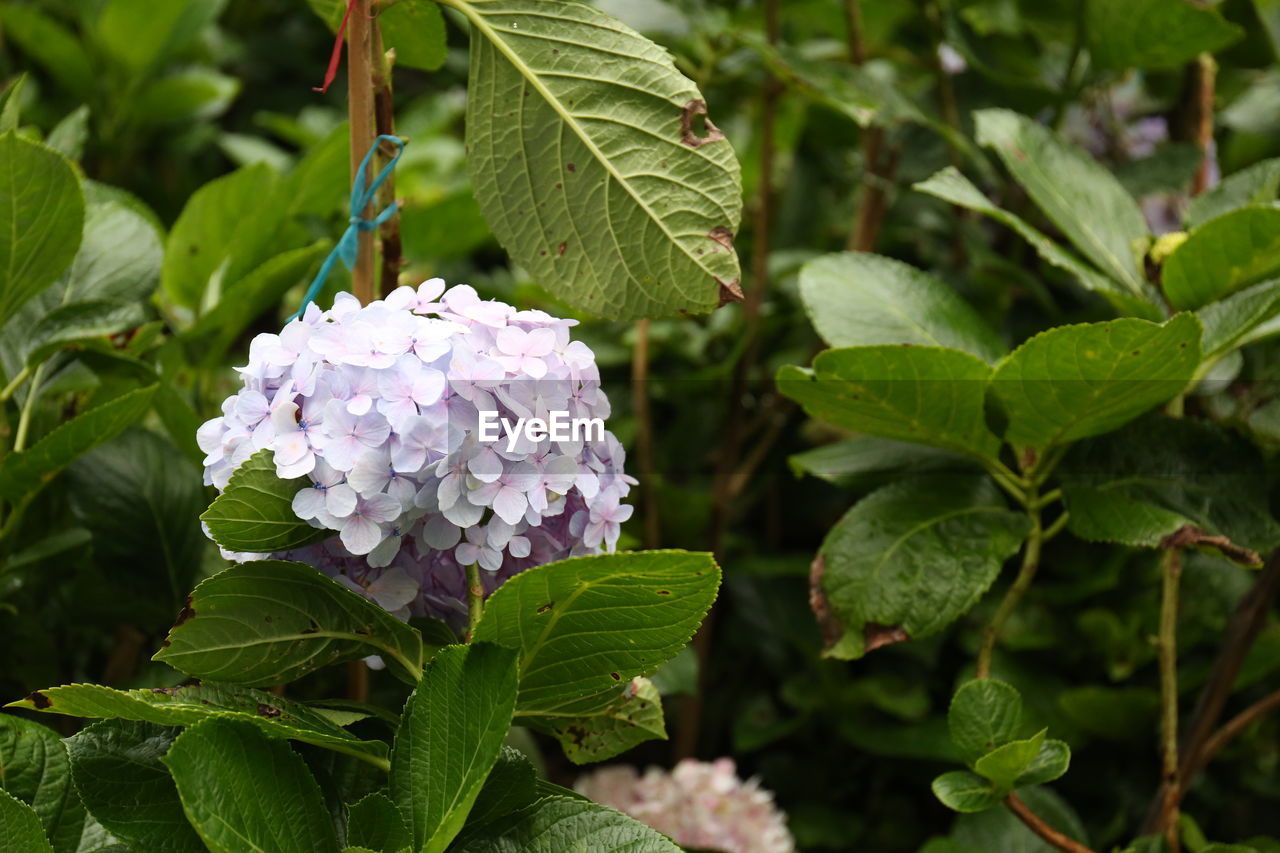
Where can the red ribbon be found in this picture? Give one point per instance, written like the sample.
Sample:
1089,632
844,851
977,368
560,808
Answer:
336,57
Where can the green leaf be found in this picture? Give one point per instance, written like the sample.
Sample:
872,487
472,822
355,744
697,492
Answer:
271,621
571,663
512,785
1005,764
1170,169
139,497
1076,381
69,135
11,104
559,824
450,735
1257,184
966,792
244,792
49,44
1001,830
27,471
213,225
856,299
41,218
581,166
950,185
140,35
254,514
186,706
1050,763
926,395
82,324
634,718
984,714
868,460
1148,480
1154,33
118,772
912,557
20,827
254,295
1241,318
376,824
1222,256
190,94
1076,192
34,769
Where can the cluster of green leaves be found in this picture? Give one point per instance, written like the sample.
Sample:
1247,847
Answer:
209,765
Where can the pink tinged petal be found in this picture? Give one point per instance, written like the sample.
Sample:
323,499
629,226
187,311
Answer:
400,298
342,452
621,514
429,387
359,404
403,490
534,367
209,436
593,535
285,417
340,501
519,546
450,490
308,503
370,474
510,504
408,459
290,448
300,468
540,343
360,535
380,508
512,341
485,466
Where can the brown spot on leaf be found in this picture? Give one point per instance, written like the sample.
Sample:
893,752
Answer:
40,700
1029,458
666,591
723,237
165,691
730,291
544,608
268,711
615,676
874,636
688,135
186,614
831,628
561,248
571,167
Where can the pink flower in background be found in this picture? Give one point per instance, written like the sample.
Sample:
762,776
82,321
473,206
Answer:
699,805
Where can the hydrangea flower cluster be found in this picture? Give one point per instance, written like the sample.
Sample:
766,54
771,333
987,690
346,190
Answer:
699,805
380,407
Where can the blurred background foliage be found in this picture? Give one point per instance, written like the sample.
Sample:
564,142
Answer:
215,183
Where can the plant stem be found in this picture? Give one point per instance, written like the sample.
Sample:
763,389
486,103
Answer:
1037,825
871,201
28,405
385,125
1205,73
644,433
475,599
13,386
1171,571
1229,731
360,113
1026,573
1054,529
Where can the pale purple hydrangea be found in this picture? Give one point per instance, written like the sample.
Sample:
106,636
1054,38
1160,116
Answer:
699,805
380,407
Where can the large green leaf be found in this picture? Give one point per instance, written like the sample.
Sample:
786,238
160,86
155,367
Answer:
512,785
1076,381
588,162
856,299
185,706
140,35
27,471
1154,33
572,663
272,621
244,792
633,718
450,735
375,823
254,514
560,824
1223,255
910,558
41,219
20,827
34,769
1241,318
48,43
139,497
950,185
1076,192
1257,184
926,395
1146,481
118,773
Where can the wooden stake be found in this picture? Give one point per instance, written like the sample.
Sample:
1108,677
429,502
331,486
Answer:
360,110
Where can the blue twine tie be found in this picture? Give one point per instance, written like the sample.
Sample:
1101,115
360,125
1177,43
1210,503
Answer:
361,197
